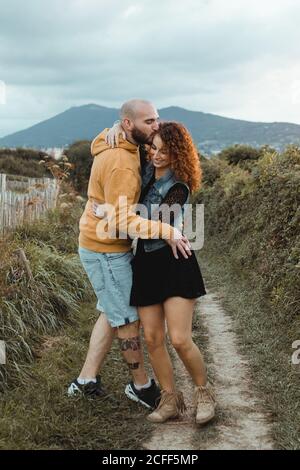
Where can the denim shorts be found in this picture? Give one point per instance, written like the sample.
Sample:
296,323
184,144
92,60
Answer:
111,277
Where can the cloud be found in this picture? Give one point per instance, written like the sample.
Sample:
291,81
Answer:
236,58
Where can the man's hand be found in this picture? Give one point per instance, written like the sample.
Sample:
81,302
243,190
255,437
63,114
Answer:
181,243
98,210
112,137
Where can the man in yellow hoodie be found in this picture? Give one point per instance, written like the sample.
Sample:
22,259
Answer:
105,250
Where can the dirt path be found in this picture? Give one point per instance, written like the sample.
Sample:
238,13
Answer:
245,426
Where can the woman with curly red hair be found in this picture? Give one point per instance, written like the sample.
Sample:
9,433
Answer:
164,288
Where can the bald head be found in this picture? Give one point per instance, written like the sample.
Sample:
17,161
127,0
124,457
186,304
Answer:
132,108
139,120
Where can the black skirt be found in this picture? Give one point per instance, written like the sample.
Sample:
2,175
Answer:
158,275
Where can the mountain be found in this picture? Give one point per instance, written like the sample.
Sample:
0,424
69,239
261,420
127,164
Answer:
212,133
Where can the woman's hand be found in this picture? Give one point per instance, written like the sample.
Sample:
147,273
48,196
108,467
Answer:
112,137
181,243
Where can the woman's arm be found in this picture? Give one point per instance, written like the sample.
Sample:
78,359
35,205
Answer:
177,197
178,194
113,135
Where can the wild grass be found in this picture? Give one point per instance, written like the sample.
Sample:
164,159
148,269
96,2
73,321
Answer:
38,414
43,305
46,324
24,162
252,255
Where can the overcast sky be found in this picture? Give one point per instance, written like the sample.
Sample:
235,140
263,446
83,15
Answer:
235,58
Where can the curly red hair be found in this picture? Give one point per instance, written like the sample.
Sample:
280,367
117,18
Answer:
179,144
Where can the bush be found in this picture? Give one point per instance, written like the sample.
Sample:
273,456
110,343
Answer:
79,154
23,162
29,311
211,170
239,153
255,218
252,258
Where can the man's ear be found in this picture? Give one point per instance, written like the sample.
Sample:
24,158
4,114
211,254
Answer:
127,124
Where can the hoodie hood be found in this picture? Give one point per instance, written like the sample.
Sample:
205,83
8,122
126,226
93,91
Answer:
99,145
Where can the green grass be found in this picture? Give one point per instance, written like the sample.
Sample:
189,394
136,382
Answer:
51,300
251,256
43,306
47,324
38,415
267,347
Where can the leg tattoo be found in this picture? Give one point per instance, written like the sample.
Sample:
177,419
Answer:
130,343
133,365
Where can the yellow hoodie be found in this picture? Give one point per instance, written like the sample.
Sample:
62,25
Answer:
116,172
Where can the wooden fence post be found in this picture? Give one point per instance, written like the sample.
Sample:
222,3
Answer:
24,262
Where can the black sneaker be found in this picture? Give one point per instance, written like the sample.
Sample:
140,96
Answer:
91,389
149,397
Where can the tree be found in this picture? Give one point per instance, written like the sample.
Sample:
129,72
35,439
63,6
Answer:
240,153
79,154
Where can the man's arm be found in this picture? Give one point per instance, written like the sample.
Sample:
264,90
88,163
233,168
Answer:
124,183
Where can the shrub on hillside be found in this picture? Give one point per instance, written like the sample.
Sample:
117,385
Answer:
59,229
79,154
23,162
255,218
252,251
24,154
212,169
236,153
31,309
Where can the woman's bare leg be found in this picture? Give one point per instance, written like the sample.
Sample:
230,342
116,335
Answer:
179,314
153,322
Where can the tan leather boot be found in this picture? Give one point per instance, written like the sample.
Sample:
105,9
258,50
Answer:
205,403
171,405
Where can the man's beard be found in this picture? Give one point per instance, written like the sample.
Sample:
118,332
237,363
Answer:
140,137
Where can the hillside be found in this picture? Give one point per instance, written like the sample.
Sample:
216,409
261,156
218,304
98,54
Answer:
212,133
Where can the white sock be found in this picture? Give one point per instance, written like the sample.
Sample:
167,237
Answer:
86,381
146,385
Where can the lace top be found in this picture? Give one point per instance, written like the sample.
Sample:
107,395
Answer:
176,195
